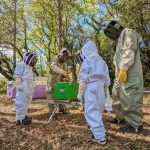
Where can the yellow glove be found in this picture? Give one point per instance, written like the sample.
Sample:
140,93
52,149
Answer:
122,75
65,74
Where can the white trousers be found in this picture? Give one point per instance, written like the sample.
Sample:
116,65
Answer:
23,102
94,106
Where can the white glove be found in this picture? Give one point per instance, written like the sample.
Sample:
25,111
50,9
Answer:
81,91
20,88
18,84
80,97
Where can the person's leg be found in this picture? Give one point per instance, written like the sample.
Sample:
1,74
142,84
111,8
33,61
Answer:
117,109
116,104
50,95
28,96
132,101
20,105
28,105
93,115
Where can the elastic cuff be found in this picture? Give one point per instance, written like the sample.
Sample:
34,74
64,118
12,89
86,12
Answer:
124,68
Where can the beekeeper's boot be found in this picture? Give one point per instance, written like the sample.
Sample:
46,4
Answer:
25,121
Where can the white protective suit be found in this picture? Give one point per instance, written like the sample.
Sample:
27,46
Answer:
23,75
93,77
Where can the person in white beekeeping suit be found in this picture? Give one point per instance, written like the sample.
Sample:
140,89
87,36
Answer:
23,76
128,85
108,101
93,80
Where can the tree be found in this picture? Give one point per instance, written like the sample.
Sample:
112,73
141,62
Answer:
14,34
45,26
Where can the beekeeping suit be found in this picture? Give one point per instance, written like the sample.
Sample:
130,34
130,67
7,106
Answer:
23,76
93,78
56,72
128,85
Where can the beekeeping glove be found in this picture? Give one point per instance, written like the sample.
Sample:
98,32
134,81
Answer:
65,74
81,91
18,84
122,75
70,76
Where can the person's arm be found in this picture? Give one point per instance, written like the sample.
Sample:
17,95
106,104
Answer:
54,67
129,50
58,70
18,76
83,74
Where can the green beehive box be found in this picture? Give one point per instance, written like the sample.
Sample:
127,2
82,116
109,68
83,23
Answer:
66,91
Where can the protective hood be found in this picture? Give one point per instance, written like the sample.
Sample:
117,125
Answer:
119,22
89,50
64,51
28,57
114,29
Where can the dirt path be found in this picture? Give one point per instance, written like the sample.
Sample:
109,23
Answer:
65,132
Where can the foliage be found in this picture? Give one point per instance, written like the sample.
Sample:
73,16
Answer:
3,86
38,29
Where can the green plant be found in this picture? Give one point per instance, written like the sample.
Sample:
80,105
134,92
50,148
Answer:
3,86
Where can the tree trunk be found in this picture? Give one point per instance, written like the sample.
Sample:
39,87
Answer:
59,7
25,35
14,35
